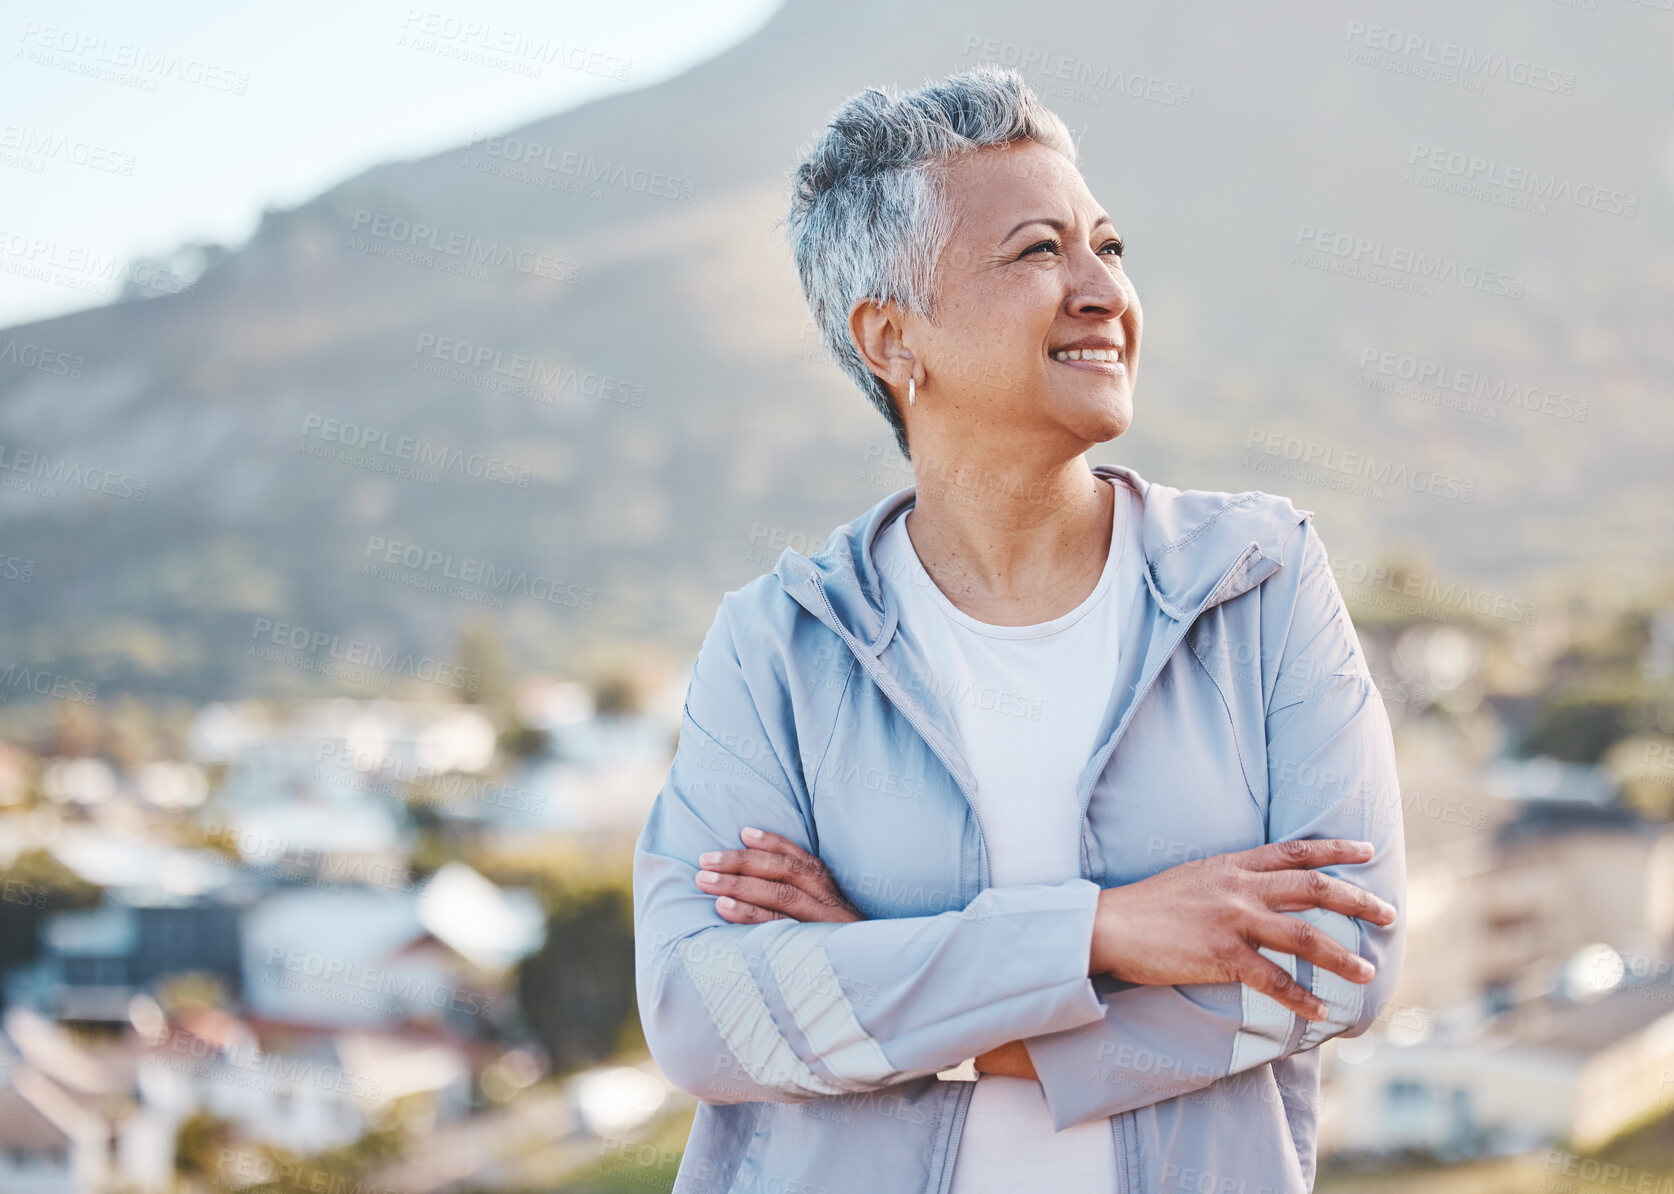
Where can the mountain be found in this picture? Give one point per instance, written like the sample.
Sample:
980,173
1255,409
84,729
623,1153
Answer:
586,338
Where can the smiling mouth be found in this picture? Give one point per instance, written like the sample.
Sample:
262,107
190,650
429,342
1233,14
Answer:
1093,360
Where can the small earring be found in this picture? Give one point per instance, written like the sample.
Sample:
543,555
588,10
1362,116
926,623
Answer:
912,389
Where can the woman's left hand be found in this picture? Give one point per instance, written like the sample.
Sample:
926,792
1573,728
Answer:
772,878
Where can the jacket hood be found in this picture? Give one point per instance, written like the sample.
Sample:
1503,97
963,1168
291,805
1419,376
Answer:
1194,540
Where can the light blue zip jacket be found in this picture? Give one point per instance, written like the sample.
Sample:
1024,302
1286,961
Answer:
1241,712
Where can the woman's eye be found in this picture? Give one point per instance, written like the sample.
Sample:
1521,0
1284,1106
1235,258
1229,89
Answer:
1053,245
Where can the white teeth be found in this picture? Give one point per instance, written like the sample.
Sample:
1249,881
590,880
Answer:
1087,354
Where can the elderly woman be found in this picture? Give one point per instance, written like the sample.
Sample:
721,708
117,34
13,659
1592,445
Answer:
1035,832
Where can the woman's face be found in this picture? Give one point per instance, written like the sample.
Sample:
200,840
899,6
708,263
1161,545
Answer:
1032,267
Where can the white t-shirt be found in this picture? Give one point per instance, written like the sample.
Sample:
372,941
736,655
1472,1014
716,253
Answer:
1028,702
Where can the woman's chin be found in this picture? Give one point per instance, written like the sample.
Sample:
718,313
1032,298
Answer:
1117,428
1104,419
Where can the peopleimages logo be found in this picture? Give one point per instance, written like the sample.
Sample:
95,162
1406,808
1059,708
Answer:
1492,391
1093,75
15,677
536,379
361,653
1447,594
1329,458
1364,252
85,268
1474,171
584,167
1468,61
369,443
33,356
504,582
36,472
504,48
87,50
466,248
335,974
31,149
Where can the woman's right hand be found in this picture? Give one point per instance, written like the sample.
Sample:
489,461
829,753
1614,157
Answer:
1204,921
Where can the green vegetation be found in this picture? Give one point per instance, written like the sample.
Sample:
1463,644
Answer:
1641,1160
577,990
35,885
208,1150
1580,724
645,1167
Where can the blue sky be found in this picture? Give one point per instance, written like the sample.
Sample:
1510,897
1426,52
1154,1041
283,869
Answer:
127,130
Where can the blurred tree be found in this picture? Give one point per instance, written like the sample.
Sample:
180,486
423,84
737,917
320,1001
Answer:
33,886
197,1145
1389,594
192,988
618,692
130,733
1579,725
334,1171
1619,645
577,990
483,655
76,729
432,848
522,741
1644,767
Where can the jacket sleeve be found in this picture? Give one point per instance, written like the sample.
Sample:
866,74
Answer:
785,1011
1331,774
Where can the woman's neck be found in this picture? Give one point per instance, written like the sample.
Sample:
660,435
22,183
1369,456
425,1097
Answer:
1012,547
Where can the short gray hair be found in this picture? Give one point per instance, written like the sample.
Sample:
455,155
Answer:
868,217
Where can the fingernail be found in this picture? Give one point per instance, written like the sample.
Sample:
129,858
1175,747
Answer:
709,857
1366,848
707,876
725,903
751,833
1365,968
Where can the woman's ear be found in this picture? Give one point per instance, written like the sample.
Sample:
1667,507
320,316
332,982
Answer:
877,329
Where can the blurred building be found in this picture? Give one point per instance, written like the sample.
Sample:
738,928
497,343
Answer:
77,1118
314,1092
598,778
1489,915
1534,1002
339,746
94,961
1554,1069
71,1120
377,957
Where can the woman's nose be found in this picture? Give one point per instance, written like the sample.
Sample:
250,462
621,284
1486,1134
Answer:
1100,293
1096,286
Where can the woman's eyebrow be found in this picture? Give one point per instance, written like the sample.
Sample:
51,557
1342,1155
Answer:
1059,225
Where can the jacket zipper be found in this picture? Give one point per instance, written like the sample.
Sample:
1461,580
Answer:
1118,1128
1119,1122
881,677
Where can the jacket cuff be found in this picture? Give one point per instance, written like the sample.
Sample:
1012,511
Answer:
1041,938
1060,1057
1075,1001
1063,1062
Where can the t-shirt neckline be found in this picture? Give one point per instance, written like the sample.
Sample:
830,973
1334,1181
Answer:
1112,564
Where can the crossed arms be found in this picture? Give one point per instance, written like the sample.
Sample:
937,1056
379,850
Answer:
1208,969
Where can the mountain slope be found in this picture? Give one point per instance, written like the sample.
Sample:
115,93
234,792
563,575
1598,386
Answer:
641,367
